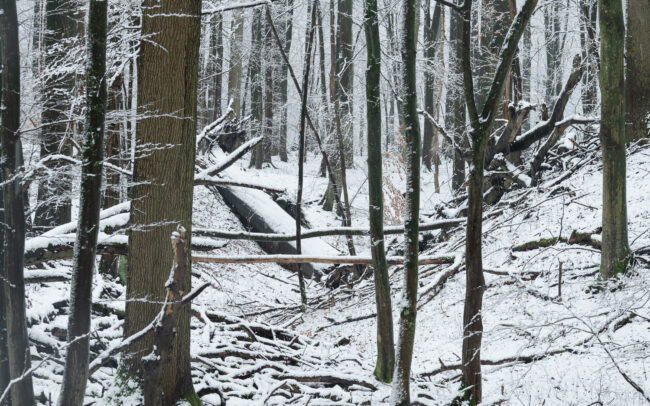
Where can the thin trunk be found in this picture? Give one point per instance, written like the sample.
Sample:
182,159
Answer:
637,82
431,30
75,375
4,352
22,393
255,73
589,44
236,62
163,191
268,97
385,347
455,105
345,76
217,66
481,126
411,131
615,249
284,81
301,151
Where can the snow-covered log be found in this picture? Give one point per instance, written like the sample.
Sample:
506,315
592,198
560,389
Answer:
305,259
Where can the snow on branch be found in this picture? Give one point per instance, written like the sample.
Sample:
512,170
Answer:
213,170
323,232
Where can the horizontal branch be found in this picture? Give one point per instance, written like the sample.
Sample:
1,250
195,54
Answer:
214,181
303,259
323,232
237,6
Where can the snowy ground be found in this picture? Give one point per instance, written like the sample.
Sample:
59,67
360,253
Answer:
546,350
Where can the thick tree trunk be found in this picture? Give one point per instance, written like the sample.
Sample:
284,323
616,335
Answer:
637,81
163,194
411,131
385,347
22,393
615,250
75,374
54,200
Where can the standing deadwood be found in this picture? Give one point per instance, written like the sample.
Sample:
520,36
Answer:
53,198
431,30
301,150
165,334
385,346
615,249
637,79
163,191
479,132
284,82
13,281
75,374
411,130
236,61
455,105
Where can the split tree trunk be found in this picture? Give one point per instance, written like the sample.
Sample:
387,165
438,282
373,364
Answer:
411,130
75,374
480,131
615,250
22,393
163,191
385,347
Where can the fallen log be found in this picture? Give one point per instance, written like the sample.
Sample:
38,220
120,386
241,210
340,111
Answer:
304,259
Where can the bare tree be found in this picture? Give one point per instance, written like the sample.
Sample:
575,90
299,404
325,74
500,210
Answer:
13,281
480,126
75,374
411,130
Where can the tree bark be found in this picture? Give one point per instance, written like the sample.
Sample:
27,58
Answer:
284,81
480,131
411,131
637,80
455,105
53,199
385,346
236,62
255,73
615,250
431,30
22,393
345,74
216,45
75,374
163,191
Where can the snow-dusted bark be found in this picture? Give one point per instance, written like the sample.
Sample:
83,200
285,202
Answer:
75,374
411,129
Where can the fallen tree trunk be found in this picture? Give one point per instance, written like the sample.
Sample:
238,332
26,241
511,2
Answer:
304,259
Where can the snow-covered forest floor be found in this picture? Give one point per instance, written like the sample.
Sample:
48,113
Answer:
251,342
